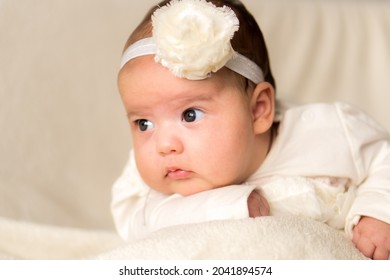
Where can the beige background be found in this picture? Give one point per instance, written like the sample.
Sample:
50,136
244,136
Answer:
63,132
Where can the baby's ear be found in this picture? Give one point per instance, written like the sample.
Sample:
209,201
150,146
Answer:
263,107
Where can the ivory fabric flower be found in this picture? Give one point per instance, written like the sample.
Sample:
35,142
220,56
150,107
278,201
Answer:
193,37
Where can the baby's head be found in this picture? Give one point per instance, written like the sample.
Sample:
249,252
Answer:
200,105
248,40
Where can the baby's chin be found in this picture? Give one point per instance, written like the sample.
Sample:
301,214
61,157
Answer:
185,188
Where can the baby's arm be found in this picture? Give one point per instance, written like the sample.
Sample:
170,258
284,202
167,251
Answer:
372,238
229,202
139,215
368,221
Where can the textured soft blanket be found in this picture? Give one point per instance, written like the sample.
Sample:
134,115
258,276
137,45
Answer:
283,237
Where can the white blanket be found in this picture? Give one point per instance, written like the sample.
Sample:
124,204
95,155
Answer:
283,237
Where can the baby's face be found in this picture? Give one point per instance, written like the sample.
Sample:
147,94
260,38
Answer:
188,136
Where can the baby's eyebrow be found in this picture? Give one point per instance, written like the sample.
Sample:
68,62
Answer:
133,114
195,98
178,103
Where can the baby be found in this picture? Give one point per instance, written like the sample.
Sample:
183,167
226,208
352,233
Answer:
208,136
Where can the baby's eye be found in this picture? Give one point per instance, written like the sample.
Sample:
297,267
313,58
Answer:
144,125
191,115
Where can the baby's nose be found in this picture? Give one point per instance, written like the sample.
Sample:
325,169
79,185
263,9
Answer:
168,142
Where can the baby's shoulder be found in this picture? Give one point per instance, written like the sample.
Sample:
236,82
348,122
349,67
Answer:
312,111
307,113
328,115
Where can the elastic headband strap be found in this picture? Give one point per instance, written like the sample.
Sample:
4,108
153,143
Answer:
239,63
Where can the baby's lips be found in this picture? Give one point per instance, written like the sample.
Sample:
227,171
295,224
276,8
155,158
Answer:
178,174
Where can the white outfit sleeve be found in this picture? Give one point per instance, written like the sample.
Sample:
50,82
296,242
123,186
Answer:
138,210
370,148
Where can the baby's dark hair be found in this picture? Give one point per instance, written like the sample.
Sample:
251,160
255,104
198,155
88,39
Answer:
248,40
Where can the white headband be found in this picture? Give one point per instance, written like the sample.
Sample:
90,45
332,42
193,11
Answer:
239,63
200,43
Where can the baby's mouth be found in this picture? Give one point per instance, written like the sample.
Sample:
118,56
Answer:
178,174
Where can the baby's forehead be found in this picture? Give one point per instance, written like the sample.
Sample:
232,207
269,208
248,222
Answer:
145,83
